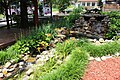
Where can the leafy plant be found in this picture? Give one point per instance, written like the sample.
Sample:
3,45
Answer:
74,15
66,48
114,23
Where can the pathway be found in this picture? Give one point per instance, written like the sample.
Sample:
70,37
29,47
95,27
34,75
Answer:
103,70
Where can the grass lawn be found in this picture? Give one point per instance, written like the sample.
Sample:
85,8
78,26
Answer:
1,16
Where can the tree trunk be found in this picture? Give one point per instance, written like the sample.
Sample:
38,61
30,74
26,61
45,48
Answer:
35,13
24,17
6,13
51,11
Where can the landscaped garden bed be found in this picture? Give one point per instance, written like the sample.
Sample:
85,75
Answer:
54,53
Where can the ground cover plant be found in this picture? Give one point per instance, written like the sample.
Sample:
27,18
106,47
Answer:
102,50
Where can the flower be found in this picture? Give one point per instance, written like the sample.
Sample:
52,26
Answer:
48,35
72,38
38,49
67,41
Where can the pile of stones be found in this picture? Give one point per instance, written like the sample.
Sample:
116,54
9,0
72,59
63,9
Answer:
92,26
12,69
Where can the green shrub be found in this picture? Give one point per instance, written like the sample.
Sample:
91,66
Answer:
114,23
69,20
73,16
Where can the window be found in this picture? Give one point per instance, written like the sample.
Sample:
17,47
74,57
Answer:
83,3
79,5
93,3
88,4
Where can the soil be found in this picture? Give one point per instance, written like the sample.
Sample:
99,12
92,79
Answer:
104,70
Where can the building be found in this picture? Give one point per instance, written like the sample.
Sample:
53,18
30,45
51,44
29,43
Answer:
111,5
89,4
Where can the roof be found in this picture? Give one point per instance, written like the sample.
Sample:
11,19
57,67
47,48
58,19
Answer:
87,0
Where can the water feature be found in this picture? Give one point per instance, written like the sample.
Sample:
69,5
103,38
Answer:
93,24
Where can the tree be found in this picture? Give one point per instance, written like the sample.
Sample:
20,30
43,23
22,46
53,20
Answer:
5,5
100,3
61,4
23,14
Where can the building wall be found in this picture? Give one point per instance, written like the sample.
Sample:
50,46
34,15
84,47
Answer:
87,3
112,6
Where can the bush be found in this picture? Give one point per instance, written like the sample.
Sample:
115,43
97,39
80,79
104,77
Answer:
74,15
69,20
114,23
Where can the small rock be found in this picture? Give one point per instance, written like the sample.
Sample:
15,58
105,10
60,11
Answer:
57,40
86,27
29,71
52,51
13,61
97,43
0,70
118,39
40,64
45,52
5,71
59,62
21,63
51,56
21,67
26,77
38,56
103,58
107,57
1,75
61,36
89,35
117,54
94,40
9,74
91,58
29,66
26,58
15,65
91,40
26,53
39,61
108,40
7,65
47,58
101,40
98,59
12,69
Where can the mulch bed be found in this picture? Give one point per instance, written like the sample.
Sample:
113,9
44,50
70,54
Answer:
103,70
